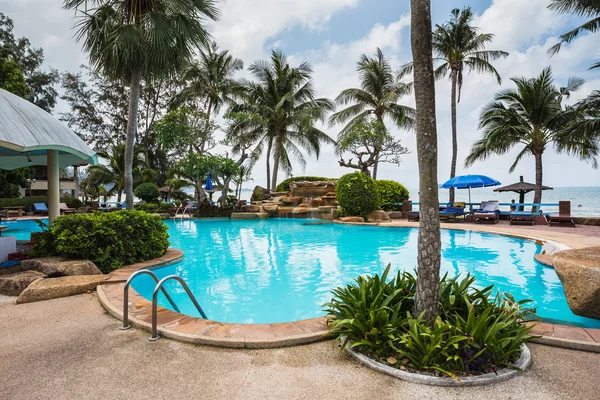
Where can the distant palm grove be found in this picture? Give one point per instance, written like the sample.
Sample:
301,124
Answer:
162,103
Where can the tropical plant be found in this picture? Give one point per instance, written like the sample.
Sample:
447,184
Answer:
532,115
184,130
581,8
113,173
284,99
131,40
148,192
370,142
13,180
458,46
391,194
357,194
429,244
378,96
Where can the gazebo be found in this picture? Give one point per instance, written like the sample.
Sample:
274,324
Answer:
521,188
31,136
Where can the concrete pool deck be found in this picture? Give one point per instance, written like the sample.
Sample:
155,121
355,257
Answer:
70,348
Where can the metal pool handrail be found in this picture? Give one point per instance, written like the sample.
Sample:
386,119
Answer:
155,335
126,296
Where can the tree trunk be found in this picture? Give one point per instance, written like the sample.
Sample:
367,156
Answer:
454,136
375,167
269,165
119,195
276,157
537,195
428,281
132,120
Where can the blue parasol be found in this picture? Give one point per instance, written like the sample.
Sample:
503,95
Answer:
468,182
208,185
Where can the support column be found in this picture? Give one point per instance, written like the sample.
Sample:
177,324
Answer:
76,181
53,185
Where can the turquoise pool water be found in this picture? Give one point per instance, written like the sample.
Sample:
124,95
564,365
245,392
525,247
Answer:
283,270
21,229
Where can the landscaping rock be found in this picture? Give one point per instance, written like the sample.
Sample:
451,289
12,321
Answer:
291,200
312,189
14,283
251,208
352,219
395,214
579,272
326,208
301,210
377,216
285,210
58,266
53,288
249,216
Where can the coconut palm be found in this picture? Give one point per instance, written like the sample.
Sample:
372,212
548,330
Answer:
283,100
114,172
429,245
378,95
532,116
458,46
582,8
129,40
210,79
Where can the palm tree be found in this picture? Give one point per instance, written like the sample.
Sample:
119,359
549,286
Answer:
458,45
378,95
114,172
130,40
429,245
284,99
210,79
532,116
581,8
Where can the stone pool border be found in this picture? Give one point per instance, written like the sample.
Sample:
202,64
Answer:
522,364
198,331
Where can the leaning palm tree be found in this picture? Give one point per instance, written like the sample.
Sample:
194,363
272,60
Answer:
532,115
133,39
284,100
378,95
582,8
428,268
459,46
210,79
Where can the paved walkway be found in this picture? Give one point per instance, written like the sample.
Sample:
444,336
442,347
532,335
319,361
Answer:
71,348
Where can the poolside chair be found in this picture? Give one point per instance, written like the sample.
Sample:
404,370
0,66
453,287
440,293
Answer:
413,215
524,217
102,207
563,216
65,209
489,212
119,206
40,208
454,212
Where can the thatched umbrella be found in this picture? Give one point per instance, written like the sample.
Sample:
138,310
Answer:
521,188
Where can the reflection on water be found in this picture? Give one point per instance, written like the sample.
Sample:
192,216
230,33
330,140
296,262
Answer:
283,270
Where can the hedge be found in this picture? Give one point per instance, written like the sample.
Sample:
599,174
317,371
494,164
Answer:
26,202
391,193
357,194
110,240
284,186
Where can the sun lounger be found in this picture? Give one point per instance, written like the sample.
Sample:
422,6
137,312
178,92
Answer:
64,209
489,212
413,215
119,206
563,216
525,217
40,208
454,212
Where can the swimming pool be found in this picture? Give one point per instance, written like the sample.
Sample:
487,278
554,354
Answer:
21,228
282,270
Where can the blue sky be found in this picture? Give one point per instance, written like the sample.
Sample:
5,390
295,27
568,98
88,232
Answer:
332,34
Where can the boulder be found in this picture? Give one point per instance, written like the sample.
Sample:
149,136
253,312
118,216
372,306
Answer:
377,216
260,193
251,208
53,288
326,208
301,210
312,189
58,266
395,214
579,272
352,219
14,283
272,209
291,200
316,202
285,210
335,213
248,216
329,195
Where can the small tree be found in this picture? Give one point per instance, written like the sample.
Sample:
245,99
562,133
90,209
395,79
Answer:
184,130
370,143
148,192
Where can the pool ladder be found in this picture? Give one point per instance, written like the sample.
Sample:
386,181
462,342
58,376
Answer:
157,288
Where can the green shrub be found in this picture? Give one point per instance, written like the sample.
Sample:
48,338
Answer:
147,191
391,194
155,207
284,186
357,194
27,202
474,333
111,240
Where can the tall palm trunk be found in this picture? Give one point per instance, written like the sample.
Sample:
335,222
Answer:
428,281
269,164
276,158
132,121
454,136
376,165
537,196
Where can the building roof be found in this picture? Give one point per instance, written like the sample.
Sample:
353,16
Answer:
27,132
